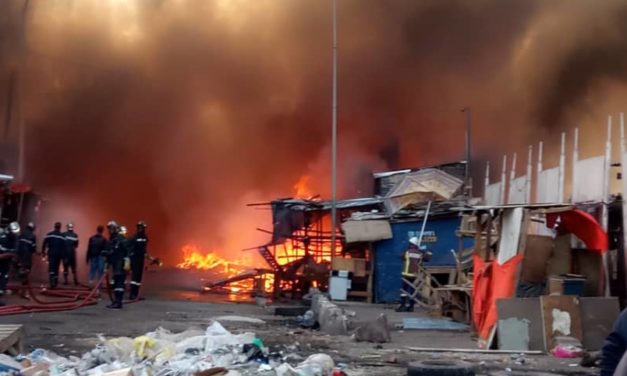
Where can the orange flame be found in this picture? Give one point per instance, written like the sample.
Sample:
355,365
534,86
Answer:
194,258
302,189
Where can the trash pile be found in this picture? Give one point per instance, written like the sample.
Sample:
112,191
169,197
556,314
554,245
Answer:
214,351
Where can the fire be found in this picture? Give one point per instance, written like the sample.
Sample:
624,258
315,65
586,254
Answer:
302,189
194,258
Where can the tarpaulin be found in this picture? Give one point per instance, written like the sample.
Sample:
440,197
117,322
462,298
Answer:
582,225
492,282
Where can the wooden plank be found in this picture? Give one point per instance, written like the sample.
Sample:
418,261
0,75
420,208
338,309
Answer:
554,310
359,266
598,315
12,339
523,309
511,229
472,351
339,263
538,252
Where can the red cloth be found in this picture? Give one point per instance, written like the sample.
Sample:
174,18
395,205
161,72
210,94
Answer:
481,286
582,225
491,282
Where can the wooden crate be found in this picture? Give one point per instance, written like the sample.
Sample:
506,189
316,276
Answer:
11,339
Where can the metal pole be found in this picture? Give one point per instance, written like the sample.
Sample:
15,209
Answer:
334,135
424,223
20,90
468,171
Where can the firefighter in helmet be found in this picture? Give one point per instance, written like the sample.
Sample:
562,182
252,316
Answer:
69,258
137,248
413,257
8,251
54,247
26,247
117,259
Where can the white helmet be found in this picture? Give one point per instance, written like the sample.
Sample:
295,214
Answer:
70,226
122,230
414,240
14,228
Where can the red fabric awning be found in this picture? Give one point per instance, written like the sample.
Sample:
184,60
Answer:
582,225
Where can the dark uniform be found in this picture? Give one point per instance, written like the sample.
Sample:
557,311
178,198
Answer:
8,248
69,258
27,245
95,257
137,253
116,254
54,243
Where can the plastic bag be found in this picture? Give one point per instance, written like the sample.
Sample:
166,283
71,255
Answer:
141,343
121,348
567,352
323,360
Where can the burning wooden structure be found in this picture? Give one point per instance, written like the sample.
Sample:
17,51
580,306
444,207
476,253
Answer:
300,251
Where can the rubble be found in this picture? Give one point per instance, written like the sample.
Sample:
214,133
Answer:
215,351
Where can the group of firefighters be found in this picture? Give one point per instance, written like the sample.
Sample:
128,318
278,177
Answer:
117,253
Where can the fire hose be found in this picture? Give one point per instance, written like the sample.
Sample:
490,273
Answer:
74,297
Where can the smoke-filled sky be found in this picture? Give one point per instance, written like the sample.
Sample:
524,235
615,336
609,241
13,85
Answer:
179,112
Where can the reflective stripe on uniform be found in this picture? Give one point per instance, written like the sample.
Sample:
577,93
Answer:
55,236
71,238
141,240
27,241
122,290
136,283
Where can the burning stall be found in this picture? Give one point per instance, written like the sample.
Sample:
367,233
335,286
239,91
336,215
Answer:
300,252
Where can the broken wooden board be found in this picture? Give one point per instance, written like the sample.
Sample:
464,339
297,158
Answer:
510,234
561,316
598,315
11,338
538,253
521,310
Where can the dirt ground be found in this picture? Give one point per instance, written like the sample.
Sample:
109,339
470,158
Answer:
74,332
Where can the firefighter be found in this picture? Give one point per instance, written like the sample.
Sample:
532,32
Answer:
137,248
27,245
8,250
412,259
54,247
94,255
117,259
69,258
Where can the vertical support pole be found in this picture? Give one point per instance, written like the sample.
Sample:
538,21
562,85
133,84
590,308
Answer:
503,180
606,196
623,171
512,176
486,182
528,178
539,194
573,189
334,135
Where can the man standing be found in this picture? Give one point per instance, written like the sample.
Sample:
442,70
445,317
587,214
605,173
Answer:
8,248
69,259
137,248
27,245
117,257
95,260
54,247
412,259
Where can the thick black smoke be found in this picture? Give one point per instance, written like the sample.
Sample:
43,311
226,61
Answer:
179,112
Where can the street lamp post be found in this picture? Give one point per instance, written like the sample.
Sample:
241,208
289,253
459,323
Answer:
334,135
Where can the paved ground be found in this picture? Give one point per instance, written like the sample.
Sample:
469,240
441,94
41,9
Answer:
181,307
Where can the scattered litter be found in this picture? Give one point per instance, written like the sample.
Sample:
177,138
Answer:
212,352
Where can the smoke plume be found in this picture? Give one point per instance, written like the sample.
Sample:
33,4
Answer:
178,111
